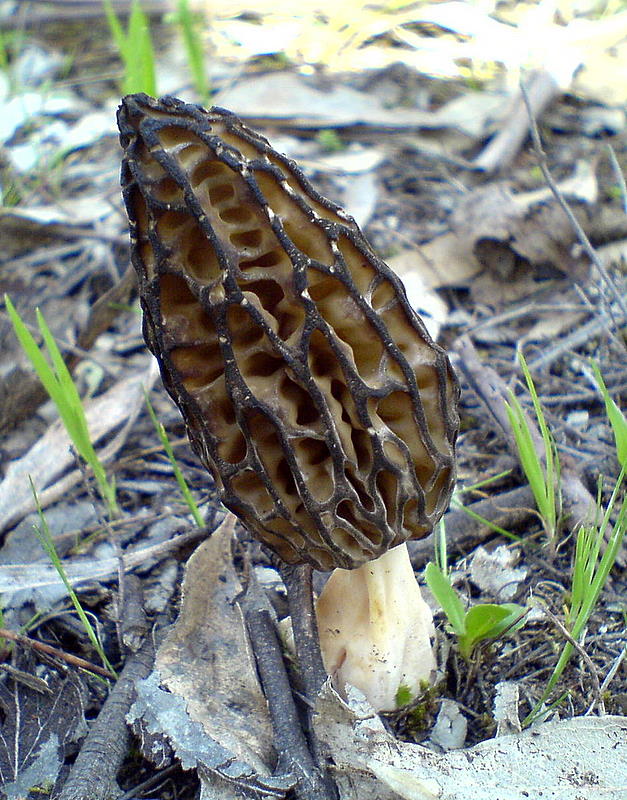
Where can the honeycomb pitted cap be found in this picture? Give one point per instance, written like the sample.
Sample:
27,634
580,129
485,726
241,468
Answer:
309,387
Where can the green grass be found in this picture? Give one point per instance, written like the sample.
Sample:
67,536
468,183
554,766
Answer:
590,572
190,24
616,417
57,381
482,622
591,564
47,542
590,568
457,504
542,472
187,495
135,48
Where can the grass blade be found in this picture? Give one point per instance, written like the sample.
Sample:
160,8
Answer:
617,419
141,57
47,542
180,479
35,356
116,28
591,577
542,474
194,50
58,383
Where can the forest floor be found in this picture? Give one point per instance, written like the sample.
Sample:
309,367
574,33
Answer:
427,146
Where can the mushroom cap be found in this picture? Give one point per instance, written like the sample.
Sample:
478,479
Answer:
310,388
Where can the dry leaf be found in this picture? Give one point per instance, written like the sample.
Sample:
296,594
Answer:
581,758
508,232
444,261
505,235
496,573
206,658
204,697
287,95
36,728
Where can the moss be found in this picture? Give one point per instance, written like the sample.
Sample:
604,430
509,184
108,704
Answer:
403,696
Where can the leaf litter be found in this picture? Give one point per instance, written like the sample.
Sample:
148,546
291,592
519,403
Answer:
38,727
493,248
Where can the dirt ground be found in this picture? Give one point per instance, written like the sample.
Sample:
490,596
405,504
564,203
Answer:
491,261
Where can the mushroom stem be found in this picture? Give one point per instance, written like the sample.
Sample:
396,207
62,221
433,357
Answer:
376,630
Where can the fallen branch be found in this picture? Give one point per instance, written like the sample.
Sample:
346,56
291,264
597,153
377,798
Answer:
93,774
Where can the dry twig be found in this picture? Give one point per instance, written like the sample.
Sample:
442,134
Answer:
106,744
581,236
596,689
41,647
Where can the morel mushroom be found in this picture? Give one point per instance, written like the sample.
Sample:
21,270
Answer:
309,387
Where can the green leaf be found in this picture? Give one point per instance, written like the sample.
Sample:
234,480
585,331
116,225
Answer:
447,597
542,480
482,619
403,696
135,49
69,402
115,27
36,357
514,620
141,53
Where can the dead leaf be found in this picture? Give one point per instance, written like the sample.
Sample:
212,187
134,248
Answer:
505,232
508,236
287,95
206,658
444,261
204,696
36,728
582,757
492,228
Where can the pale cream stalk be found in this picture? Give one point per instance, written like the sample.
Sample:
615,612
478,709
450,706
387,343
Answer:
376,631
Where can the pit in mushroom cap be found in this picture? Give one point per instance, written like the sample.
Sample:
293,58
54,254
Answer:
310,388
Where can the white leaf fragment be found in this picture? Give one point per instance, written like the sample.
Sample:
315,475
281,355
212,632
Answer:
584,758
